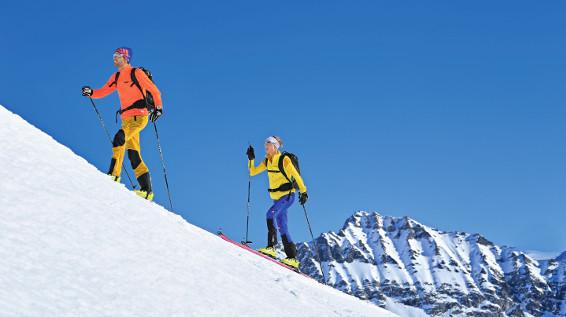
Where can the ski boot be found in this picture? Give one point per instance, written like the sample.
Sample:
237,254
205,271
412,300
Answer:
115,178
269,251
292,263
144,194
145,191
291,252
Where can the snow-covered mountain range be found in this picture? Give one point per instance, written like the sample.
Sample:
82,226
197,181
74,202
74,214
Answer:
385,259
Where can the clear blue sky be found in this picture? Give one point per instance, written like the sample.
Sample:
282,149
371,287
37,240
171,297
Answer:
449,112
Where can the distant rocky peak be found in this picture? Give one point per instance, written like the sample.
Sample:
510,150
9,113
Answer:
444,273
363,219
482,240
374,220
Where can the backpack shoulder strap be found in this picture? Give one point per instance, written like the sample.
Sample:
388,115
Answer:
134,79
281,167
115,82
137,83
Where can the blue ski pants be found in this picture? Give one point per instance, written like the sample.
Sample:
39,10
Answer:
279,212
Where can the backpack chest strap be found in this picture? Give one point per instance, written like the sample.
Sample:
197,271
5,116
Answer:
283,188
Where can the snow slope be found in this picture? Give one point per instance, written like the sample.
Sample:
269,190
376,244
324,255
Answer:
73,243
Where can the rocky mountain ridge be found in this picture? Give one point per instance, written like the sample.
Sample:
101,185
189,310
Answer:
379,258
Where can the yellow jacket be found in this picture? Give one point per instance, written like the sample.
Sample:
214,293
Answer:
276,178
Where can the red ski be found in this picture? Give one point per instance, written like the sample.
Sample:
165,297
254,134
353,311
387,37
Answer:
245,247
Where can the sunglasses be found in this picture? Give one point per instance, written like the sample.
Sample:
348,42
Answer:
117,55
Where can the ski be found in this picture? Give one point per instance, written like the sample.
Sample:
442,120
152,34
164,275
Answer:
247,248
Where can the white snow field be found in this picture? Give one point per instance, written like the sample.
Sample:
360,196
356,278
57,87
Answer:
73,243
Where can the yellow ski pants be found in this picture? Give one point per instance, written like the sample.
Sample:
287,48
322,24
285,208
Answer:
128,138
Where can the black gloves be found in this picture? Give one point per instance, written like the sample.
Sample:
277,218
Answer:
250,153
87,91
155,114
303,197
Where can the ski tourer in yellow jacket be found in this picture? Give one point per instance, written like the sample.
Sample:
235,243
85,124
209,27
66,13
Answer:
279,186
282,191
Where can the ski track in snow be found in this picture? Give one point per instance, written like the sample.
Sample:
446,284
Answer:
73,243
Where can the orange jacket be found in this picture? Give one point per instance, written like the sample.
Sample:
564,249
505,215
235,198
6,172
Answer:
129,93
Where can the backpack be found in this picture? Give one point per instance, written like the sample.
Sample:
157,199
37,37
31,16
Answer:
149,103
149,97
292,182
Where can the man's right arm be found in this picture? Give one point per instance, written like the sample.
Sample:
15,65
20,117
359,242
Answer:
107,89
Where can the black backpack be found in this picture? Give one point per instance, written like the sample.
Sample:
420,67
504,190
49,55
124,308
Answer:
149,97
292,182
149,103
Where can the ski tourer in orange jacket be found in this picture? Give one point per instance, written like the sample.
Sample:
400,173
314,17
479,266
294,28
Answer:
134,117
132,101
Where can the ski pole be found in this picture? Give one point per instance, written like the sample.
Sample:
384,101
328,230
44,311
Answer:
110,139
315,246
148,106
247,241
163,164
